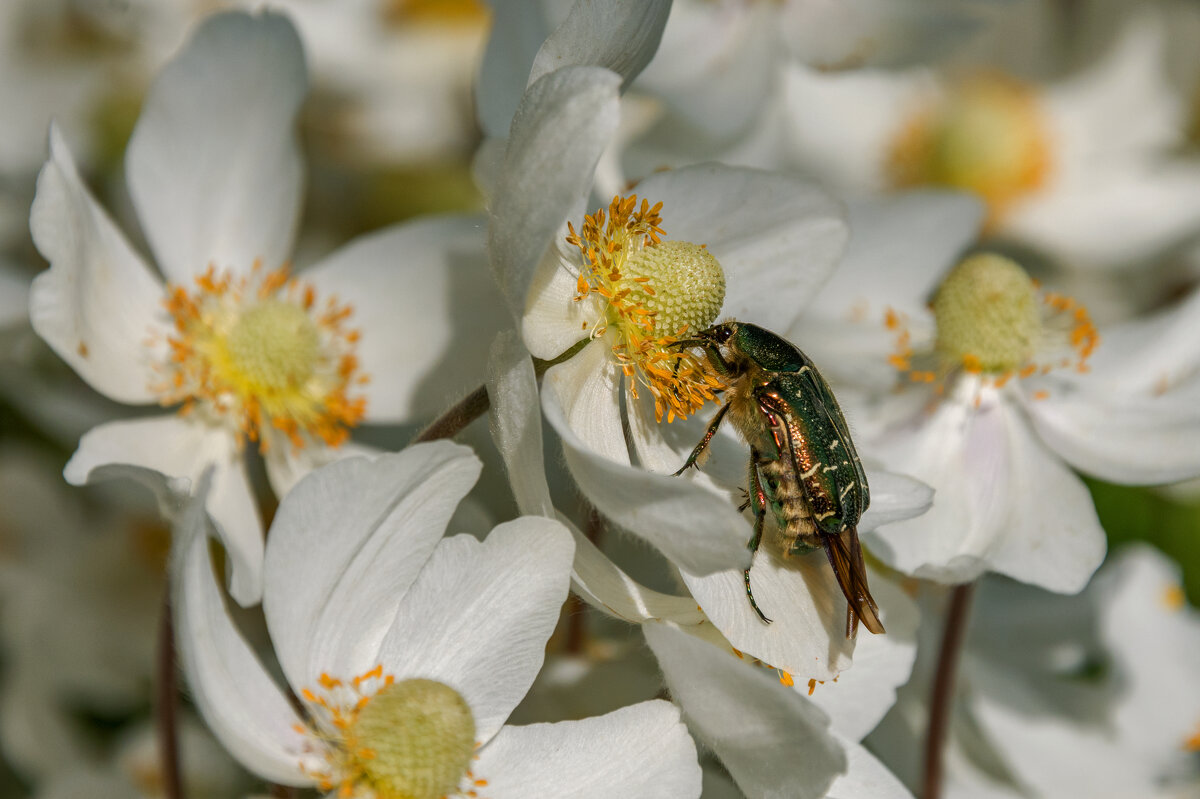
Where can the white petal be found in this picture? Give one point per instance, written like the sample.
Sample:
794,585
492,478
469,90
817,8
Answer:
214,163
866,33
587,389
638,752
962,453
1003,502
602,584
1053,537
239,700
424,302
1114,216
757,727
807,634
719,88
621,36
1037,745
235,515
553,320
287,465
894,497
519,27
516,423
1131,439
168,454
866,777
479,615
99,303
1155,644
346,543
843,123
778,238
559,131
694,527
900,247
864,693
1146,354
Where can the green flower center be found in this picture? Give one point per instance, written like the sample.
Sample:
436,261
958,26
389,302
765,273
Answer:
988,315
681,283
415,739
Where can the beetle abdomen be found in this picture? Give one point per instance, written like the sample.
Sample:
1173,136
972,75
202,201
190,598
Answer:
790,505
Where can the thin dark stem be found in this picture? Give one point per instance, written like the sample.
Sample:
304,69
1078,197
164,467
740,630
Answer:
454,420
476,404
284,791
166,696
941,700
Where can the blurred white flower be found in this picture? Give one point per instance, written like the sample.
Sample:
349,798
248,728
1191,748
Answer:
1088,695
207,772
995,394
723,89
408,651
245,350
1081,166
81,586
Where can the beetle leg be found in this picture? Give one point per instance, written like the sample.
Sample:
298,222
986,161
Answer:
711,351
758,498
703,445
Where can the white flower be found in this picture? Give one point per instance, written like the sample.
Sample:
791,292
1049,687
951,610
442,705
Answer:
408,650
246,351
773,742
724,87
995,397
1080,166
807,640
1133,731
1058,696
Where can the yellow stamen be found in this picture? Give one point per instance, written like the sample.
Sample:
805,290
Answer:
388,739
1174,598
997,324
260,352
654,293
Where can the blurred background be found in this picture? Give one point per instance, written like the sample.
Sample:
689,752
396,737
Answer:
390,131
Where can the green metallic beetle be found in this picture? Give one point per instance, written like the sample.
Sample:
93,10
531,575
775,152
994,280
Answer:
810,472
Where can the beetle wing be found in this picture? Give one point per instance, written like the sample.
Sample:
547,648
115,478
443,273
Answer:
845,556
816,384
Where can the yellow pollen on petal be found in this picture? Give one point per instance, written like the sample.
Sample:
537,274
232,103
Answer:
261,352
654,294
994,322
1173,597
988,135
439,12
1192,744
388,739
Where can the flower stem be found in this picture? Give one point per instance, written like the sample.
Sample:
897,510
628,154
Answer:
941,700
166,696
476,404
459,415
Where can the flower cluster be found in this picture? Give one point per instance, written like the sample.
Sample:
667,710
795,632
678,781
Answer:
825,348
